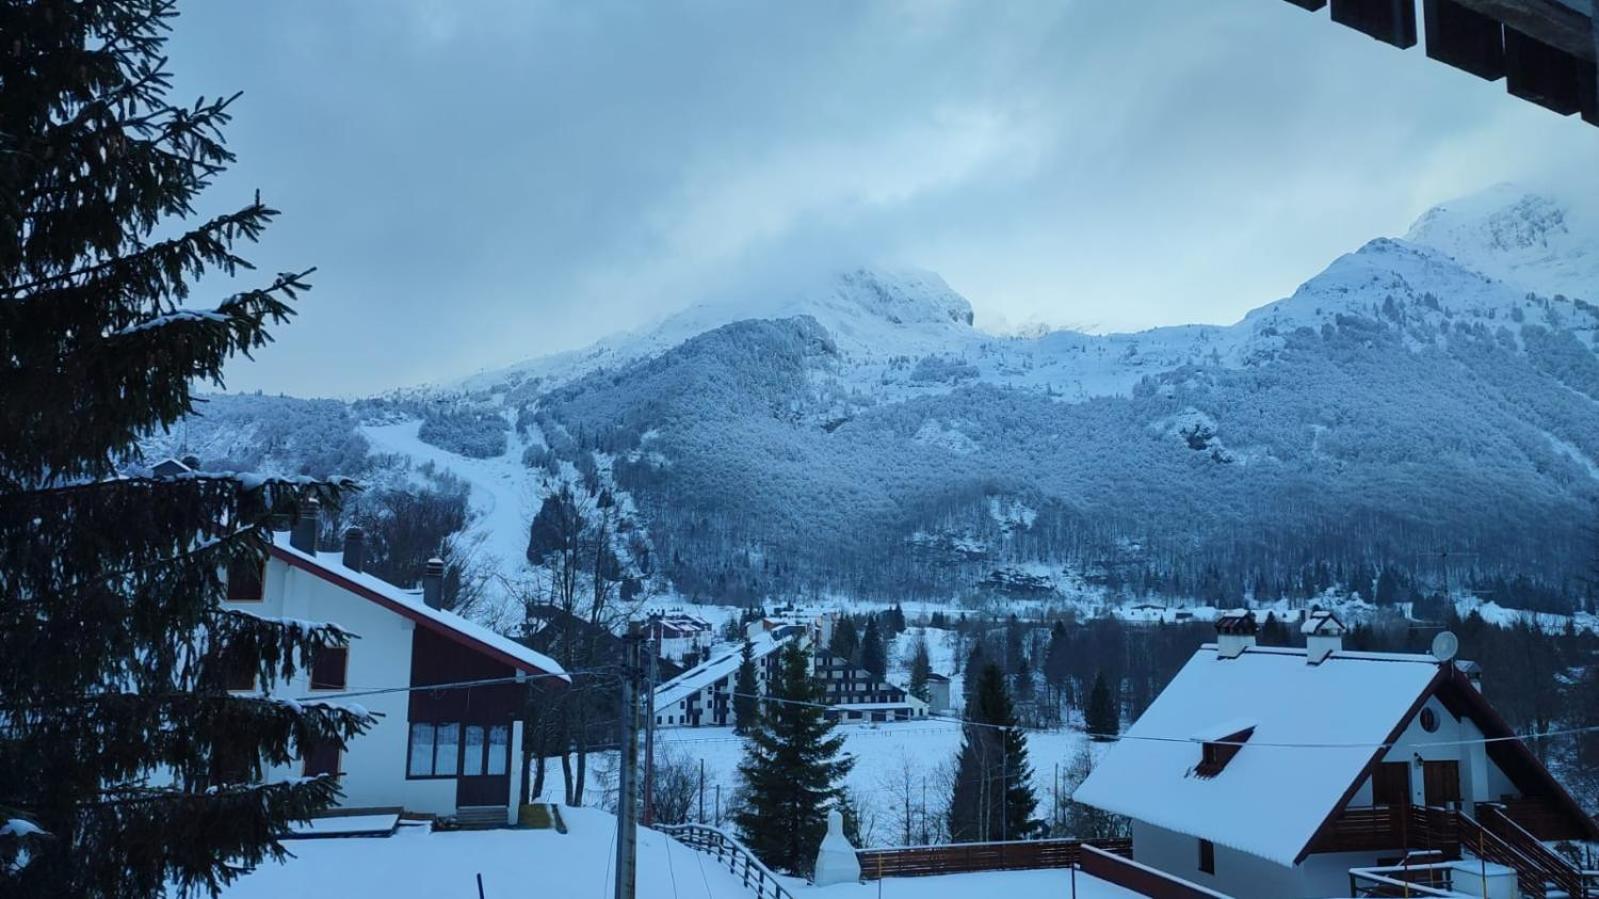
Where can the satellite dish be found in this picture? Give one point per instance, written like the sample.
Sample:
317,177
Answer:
1444,646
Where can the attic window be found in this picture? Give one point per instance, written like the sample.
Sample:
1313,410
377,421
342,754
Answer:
1219,744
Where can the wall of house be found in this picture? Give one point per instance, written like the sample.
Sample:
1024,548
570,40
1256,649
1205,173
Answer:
373,764
1242,875
1481,779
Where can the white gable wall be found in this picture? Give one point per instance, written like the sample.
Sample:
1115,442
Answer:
1480,779
373,764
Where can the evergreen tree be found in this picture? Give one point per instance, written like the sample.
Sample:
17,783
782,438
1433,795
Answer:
1057,658
896,621
975,662
846,639
921,668
120,739
791,770
1100,716
874,658
992,797
746,707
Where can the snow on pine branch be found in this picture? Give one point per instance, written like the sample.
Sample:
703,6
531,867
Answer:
180,315
299,627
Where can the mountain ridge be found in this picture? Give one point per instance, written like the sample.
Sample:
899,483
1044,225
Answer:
856,436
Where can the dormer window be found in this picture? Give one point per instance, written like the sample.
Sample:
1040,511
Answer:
1219,744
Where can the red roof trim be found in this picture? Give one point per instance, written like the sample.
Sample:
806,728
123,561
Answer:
401,609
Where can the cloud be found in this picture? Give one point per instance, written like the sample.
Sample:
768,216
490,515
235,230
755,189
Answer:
485,180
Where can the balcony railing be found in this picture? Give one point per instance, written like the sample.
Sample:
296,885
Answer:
1383,827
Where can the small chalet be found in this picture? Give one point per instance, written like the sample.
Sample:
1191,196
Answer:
1278,773
447,752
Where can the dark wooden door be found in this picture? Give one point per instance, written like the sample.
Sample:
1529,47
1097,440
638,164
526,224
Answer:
485,774
1390,784
1440,782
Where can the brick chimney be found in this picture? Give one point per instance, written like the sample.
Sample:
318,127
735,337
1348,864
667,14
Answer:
354,548
303,536
1235,632
1324,635
433,583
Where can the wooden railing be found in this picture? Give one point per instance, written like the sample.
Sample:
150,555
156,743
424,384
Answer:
1435,879
955,858
1140,879
1389,827
735,855
1537,861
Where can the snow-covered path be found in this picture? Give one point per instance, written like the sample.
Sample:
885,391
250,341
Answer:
502,489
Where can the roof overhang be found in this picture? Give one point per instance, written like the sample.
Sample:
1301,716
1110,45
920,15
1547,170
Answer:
1454,689
1547,51
441,628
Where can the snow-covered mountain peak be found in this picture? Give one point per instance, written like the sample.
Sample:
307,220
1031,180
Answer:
1528,239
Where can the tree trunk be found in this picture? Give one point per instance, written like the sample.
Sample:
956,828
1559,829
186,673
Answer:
566,772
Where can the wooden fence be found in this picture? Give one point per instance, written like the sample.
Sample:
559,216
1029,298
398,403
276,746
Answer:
735,855
1141,879
955,858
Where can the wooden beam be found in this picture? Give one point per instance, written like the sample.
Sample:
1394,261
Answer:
1464,38
1541,74
1390,21
1559,23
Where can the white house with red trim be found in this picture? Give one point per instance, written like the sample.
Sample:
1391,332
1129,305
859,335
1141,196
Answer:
449,752
1273,772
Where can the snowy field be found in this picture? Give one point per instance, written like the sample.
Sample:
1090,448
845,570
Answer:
900,770
516,864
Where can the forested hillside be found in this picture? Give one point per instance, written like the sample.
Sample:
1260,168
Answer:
1416,412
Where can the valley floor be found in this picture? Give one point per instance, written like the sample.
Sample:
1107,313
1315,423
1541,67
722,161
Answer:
891,761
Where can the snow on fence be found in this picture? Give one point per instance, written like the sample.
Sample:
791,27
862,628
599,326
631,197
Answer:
738,858
1141,879
955,858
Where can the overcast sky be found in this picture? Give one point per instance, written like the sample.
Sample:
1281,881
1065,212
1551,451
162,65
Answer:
481,181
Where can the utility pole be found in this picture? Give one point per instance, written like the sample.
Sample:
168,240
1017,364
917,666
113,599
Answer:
626,788
651,648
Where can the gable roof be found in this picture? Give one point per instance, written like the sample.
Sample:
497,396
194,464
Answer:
1269,801
330,567
709,672
1272,800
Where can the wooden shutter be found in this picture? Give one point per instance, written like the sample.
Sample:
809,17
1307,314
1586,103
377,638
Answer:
1441,781
328,667
322,758
1390,784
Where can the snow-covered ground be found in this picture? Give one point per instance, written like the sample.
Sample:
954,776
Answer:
899,769
544,863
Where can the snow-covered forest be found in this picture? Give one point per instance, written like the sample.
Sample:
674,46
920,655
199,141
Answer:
1421,414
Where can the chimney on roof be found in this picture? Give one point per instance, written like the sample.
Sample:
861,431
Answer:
1473,673
303,537
1324,635
354,548
433,583
1235,632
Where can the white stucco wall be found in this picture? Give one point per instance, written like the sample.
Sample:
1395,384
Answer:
373,764
1245,876
1480,779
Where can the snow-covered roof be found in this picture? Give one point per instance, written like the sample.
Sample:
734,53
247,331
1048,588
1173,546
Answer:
703,675
1322,622
1270,799
331,567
